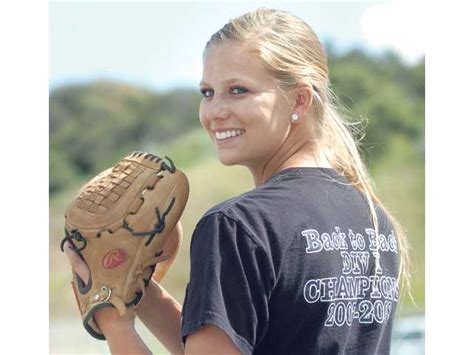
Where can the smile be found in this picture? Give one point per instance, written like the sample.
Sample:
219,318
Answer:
228,134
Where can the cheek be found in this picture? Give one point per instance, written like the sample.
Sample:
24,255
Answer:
201,115
205,122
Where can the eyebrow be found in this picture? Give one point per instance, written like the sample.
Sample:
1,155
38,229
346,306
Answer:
228,81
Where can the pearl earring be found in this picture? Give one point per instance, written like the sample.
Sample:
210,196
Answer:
294,117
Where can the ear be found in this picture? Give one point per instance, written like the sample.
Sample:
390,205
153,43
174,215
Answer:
303,99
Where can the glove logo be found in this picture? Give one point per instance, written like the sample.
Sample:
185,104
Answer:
114,258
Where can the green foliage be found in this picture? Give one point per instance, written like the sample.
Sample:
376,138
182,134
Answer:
384,94
94,124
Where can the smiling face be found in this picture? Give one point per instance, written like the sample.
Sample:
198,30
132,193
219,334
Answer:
244,112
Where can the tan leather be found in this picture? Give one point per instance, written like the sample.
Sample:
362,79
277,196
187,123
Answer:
121,223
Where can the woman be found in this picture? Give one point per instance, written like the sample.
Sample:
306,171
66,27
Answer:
309,260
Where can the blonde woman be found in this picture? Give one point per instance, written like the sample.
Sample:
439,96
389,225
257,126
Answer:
309,260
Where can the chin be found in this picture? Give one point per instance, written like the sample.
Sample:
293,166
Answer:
227,160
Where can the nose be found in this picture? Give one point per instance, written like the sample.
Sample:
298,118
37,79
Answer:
218,109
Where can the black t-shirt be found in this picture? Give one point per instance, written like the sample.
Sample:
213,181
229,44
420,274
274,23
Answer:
293,267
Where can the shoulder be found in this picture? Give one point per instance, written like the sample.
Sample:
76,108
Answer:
269,207
225,221
288,192
248,212
242,224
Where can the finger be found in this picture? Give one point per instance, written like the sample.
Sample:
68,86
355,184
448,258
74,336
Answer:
77,264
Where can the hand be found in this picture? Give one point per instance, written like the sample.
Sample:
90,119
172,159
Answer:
119,331
105,317
170,249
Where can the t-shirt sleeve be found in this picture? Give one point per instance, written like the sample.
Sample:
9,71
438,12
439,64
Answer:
230,282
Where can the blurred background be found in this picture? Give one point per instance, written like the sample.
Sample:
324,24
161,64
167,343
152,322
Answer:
124,76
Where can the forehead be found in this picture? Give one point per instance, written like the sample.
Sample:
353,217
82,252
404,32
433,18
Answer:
230,60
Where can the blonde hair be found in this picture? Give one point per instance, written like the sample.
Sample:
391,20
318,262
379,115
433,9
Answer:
293,54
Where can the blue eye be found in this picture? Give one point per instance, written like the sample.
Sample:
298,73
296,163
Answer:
206,92
238,90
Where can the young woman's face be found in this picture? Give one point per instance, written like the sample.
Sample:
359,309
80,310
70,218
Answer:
244,112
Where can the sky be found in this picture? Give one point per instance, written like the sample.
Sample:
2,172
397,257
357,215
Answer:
159,44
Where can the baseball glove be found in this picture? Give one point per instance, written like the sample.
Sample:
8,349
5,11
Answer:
118,224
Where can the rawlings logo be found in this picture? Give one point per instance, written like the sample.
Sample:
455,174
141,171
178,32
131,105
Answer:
114,258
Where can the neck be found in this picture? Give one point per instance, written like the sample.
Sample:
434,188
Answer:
292,153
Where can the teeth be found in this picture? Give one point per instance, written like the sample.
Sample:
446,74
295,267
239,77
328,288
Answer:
228,134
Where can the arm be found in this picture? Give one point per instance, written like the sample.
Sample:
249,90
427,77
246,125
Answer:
158,310
210,340
161,314
120,332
